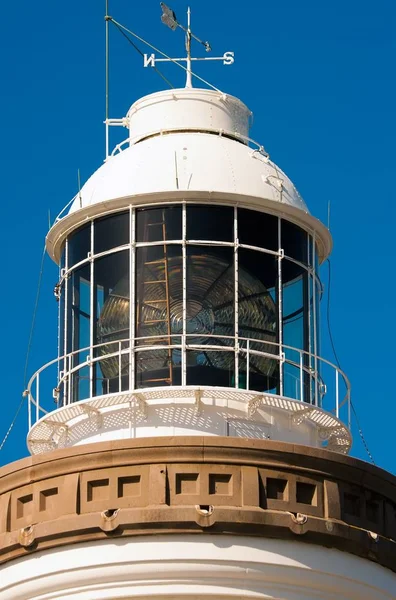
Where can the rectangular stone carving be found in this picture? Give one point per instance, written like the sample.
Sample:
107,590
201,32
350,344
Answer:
24,506
98,489
274,489
220,484
308,496
121,487
187,483
352,504
43,501
205,484
48,499
390,520
294,493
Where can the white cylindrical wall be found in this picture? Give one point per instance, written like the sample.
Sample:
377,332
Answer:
195,566
188,109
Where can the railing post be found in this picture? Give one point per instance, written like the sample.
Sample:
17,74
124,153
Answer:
247,363
349,408
119,367
37,396
29,410
69,379
337,399
301,378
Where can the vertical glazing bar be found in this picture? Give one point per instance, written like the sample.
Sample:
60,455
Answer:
184,254
107,81
132,295
65,323
247,363
92,365
280,310
236,309
37,397
310,290
315,400
337,394
301,378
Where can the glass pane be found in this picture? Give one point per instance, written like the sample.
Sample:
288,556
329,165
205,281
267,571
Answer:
258,317
258,229
79,330
310,251
211,367
159,293
210,313
317,307
159,313
79,245
111,232
157,224
111,329
210,291
317,260
79,308
293,311
294,241
63,257
214,223
296,331
62,319
157,368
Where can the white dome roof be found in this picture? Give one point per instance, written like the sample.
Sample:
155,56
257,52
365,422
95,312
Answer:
191,145
188,161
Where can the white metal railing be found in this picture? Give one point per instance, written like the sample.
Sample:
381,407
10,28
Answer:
220,132
72,377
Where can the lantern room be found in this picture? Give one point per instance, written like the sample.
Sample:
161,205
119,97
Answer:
189,278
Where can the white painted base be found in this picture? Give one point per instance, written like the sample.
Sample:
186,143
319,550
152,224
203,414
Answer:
195,566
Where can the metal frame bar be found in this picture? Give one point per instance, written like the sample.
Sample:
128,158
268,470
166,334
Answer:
66,383
91,310
132,294
315,314
184,284
236,298
280,307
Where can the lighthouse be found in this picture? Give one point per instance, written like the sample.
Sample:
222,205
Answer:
190,440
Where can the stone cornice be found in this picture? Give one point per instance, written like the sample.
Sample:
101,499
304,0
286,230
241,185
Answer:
197,485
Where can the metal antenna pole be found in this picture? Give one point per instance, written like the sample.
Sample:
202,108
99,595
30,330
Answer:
107,81
188,48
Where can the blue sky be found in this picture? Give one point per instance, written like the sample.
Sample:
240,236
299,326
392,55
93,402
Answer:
319,77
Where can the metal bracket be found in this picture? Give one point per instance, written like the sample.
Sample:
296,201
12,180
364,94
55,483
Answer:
58,431
198,402
50,443
326,433
142,404
253,405
300,416
92,411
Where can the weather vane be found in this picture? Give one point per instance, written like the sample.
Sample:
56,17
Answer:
169,18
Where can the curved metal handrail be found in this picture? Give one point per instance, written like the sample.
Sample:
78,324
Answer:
303,369
220,132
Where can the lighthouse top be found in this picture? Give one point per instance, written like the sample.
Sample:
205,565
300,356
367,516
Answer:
200,156
193,143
